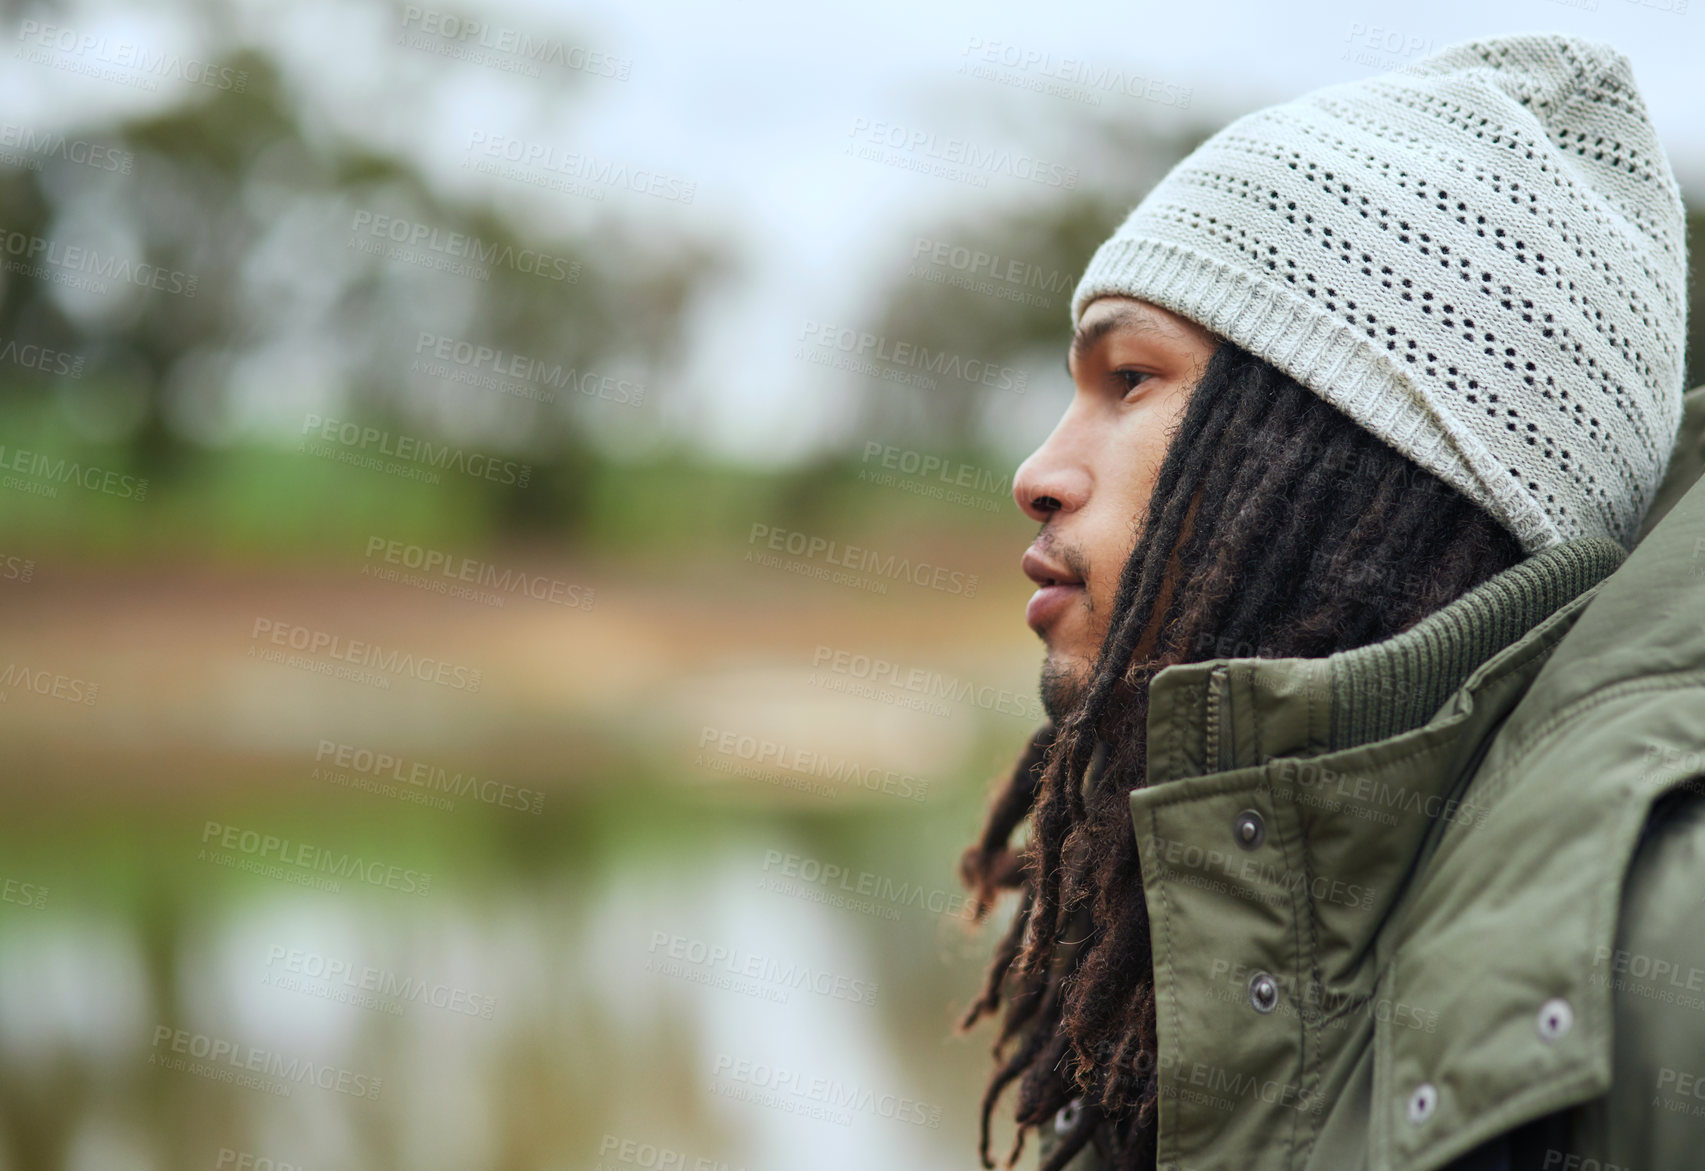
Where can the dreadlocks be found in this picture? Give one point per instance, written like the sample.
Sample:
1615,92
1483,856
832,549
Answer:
1277,527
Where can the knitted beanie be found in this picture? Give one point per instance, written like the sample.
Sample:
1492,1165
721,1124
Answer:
1479,257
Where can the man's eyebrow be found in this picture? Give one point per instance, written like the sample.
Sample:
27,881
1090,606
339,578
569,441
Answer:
1085,338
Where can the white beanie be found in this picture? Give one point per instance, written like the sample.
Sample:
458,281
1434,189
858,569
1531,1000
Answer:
1479,257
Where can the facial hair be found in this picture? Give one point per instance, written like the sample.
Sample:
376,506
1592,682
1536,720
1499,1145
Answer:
1064,682
1062,688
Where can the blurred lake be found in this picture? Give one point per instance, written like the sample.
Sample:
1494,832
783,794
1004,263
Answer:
674,887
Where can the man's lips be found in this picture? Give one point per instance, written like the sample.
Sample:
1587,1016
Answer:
1059,589
1047,603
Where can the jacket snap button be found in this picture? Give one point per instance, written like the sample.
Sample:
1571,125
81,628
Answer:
1263,992
1555,1017
1422,1103
1065,1121
1248,829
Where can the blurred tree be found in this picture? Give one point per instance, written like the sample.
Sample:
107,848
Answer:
1017,309
294,308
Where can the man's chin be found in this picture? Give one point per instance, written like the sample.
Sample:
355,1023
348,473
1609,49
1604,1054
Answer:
1063,684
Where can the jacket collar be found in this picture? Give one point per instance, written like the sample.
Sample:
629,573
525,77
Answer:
1225,714
1349,767
1230,712
1373,744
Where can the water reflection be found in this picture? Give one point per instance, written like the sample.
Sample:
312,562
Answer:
638,983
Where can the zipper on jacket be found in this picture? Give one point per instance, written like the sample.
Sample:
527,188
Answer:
1216,749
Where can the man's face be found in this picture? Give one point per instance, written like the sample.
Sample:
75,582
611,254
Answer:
1132,366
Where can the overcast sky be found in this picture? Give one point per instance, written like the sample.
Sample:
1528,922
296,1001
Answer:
760,103
755,104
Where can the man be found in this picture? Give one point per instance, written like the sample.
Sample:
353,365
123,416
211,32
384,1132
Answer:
1366,831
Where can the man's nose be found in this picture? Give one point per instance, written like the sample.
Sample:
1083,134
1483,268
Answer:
1054,478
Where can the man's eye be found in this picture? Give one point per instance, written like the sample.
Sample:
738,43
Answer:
1132,378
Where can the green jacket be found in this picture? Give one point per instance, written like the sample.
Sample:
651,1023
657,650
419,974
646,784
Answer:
1436,901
